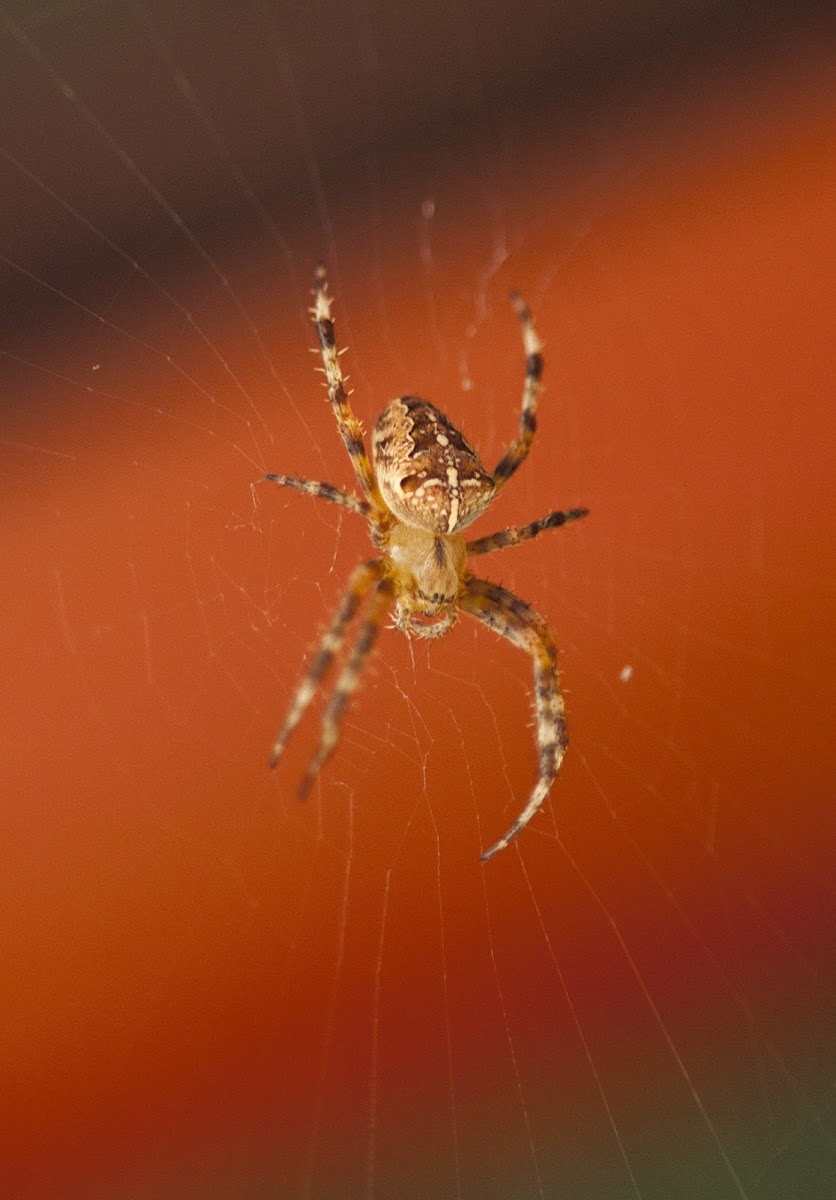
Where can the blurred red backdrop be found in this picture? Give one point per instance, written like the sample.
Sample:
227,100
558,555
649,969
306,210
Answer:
210,990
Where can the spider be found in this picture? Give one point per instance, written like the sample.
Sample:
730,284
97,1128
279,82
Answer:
424,485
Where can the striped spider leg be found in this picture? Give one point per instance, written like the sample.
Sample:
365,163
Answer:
512,618
323,491
350,429
517,452
361,581
514,534
347,682
365,578
423,485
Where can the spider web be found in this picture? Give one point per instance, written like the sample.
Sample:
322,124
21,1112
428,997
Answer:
212,990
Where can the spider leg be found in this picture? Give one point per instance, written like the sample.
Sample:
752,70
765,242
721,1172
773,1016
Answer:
358,585
517,452
323,491
523,533
515,620
351,431
347,683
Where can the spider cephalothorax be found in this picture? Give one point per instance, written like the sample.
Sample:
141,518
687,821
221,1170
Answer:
426,483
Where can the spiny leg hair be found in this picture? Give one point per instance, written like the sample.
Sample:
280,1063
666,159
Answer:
514,534
351,431
359,583
517,621
517,453
322,491
347,683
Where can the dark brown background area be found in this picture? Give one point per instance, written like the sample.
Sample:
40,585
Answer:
340,91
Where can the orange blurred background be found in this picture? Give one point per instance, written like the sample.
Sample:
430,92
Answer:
211,990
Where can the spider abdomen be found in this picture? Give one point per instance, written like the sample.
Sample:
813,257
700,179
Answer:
429,475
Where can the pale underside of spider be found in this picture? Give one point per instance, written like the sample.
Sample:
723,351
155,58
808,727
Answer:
423,485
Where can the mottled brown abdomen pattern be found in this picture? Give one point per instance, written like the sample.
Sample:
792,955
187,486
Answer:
429,475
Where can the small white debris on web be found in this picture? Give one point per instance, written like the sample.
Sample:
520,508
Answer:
626,674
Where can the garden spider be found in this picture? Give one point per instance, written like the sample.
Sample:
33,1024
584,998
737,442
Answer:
426,485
